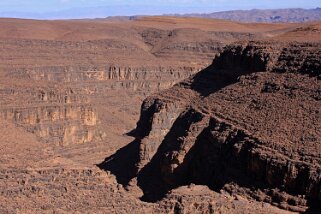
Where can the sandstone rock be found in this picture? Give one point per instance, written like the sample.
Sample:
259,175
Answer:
243,128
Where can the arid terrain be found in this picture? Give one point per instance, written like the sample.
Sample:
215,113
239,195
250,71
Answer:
159,115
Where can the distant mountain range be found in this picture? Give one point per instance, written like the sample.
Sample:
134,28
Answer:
268,16
75,13
98,12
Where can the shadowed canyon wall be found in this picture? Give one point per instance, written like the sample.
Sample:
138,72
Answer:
250,120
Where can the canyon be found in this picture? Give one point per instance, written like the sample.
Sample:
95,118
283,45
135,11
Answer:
228,116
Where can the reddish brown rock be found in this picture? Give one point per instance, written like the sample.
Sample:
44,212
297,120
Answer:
248,124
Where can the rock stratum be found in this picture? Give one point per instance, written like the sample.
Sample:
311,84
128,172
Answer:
70,96
249,125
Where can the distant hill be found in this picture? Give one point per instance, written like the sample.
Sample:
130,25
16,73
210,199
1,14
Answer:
115,12
269,16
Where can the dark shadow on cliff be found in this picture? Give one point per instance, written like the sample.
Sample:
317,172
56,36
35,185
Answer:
132,133
123,163
226,69
314,209
216,165
151,178
211,80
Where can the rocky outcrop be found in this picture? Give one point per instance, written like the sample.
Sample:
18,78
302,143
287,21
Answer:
247,125
223,153
301,58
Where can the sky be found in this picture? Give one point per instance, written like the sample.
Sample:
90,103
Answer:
139,7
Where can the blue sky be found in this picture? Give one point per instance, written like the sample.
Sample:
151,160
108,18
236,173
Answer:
148,7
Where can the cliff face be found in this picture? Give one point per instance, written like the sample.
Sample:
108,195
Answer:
108,77
57,116
64,113
248,124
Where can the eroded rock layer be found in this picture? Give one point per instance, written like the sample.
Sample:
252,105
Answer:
248,124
